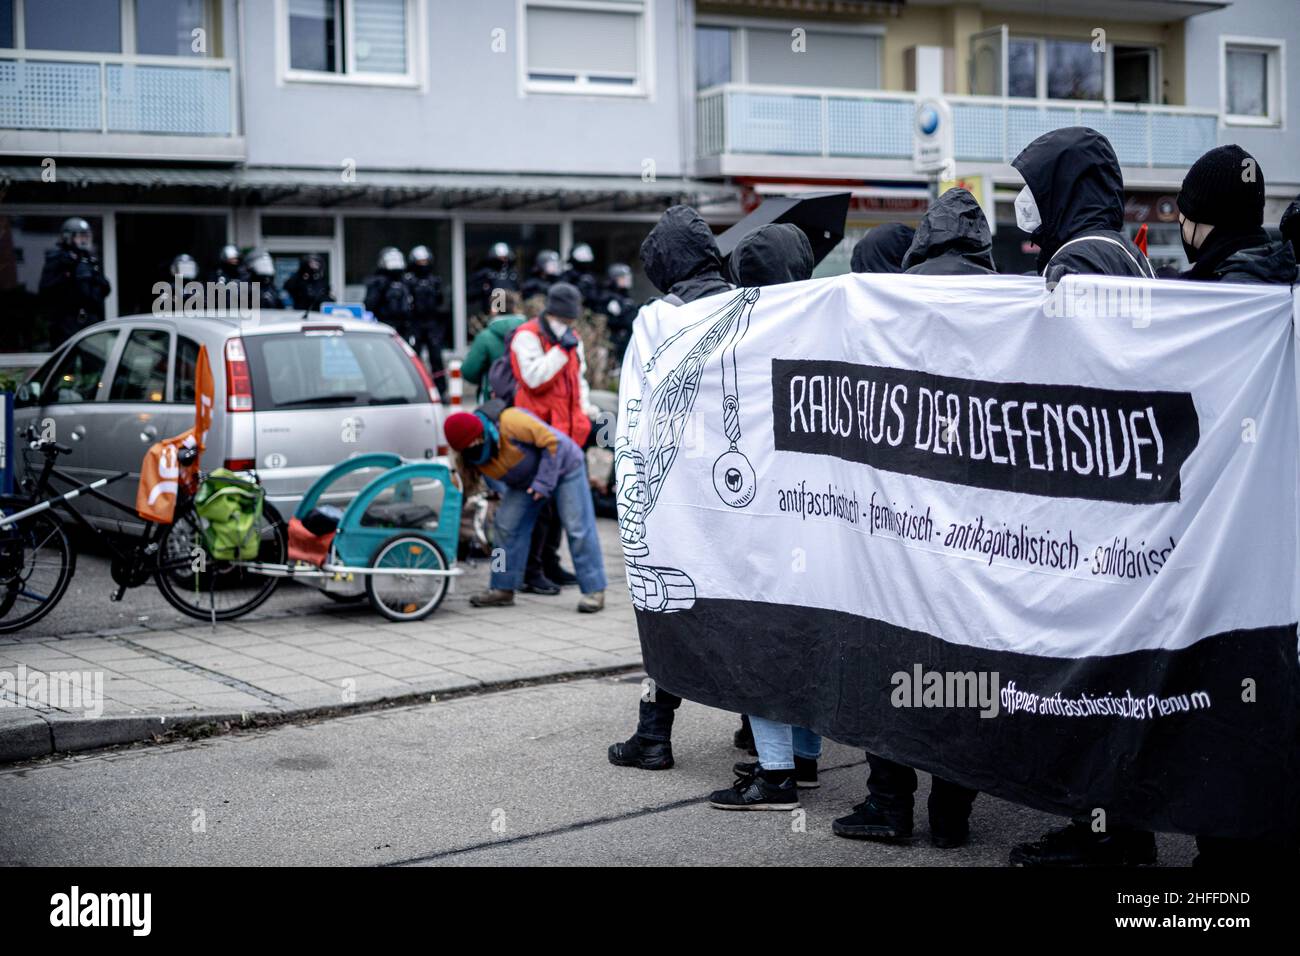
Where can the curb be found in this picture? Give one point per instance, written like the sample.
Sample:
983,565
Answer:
27,734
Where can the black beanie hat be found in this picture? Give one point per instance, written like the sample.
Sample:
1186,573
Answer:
1225,187
564,301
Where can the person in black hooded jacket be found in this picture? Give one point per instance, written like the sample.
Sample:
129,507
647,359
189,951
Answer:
954,239
1072,206
680,256
882,249
771,255
1290,225
1221,215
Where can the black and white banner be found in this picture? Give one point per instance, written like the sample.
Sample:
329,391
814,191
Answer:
1040,544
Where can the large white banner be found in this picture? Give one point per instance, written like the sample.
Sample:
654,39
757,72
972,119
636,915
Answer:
1040,543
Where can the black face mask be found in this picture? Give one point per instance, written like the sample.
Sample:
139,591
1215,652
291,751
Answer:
1190,250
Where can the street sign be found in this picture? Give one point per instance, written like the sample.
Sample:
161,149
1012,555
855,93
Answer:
932,142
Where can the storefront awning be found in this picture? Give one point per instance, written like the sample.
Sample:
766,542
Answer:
362,187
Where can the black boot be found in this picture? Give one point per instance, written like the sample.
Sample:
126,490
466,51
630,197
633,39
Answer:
1079,845
641,753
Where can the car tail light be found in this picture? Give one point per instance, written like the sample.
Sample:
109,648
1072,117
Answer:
422,369
241,464
239,382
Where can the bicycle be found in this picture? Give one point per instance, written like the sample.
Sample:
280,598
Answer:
37,560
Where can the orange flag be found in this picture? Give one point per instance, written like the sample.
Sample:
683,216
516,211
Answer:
161,473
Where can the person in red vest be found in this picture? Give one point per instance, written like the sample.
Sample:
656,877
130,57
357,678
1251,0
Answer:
550,369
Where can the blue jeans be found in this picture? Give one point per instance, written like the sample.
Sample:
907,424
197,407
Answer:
778,744
514,528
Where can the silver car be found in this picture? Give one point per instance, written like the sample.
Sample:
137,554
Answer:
294,394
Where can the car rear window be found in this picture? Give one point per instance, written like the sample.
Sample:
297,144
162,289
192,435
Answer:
331,369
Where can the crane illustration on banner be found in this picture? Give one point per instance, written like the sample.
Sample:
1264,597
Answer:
642,466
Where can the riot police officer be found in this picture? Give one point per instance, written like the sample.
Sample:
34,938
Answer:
73,287
497,272
428,324
546,272
261,267
231,267
387,294
581,274
619,308
309,287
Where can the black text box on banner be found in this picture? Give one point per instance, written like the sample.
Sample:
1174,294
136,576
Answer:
1063,441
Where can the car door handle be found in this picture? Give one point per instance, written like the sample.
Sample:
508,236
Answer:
149,434
79,433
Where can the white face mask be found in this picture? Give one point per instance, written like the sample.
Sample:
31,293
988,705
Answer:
1027,217
559,328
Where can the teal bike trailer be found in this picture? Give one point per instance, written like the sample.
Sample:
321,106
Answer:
393,541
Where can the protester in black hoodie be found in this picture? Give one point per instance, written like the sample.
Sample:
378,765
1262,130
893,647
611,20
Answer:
1072,206
954,239
1221,215
681,258
1290,226
882,249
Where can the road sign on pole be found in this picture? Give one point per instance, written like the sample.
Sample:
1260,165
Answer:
932,141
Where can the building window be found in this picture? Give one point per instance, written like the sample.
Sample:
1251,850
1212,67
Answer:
371,40
6,24
598,47
1253,81
712,56
80,26
1133,74
1022,67
167,27
1074,70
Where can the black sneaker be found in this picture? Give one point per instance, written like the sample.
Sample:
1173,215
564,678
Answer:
642,754
805,772
541,584
1078,845
869,822
744,737
758,792
557,574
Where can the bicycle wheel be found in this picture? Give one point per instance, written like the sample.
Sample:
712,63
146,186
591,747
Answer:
47,565
197,584
407,597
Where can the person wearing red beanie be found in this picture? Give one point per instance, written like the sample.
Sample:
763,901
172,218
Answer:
535,463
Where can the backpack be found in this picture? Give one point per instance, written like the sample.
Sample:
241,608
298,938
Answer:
230,507
501,375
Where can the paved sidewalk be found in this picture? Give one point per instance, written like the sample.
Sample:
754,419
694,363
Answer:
314,656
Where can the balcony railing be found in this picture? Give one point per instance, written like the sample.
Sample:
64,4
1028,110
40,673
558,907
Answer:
790,121
106,93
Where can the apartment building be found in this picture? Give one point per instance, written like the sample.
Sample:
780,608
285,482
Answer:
340,126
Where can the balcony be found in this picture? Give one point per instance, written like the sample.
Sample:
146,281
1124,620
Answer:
830,125
111,106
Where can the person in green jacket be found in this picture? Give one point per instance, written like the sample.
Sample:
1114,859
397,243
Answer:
489,345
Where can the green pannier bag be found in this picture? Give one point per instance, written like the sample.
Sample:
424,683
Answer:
230,507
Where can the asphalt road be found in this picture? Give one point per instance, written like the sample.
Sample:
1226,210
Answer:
514,777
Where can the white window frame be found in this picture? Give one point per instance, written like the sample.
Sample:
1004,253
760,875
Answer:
582,86
1276,52
350,76
740,26
1108,69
